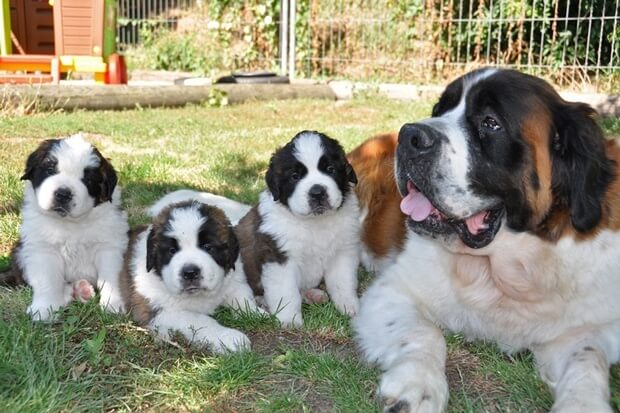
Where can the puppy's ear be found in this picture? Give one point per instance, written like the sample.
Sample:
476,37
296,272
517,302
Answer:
151,250
272,183
581,170
109,176
233,249
351,176
37,158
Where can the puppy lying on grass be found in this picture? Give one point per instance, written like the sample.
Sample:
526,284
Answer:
180,269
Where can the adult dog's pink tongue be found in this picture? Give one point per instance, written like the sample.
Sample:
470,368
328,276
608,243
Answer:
475,223
416,205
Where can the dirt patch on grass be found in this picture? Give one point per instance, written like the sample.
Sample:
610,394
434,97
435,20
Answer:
273,343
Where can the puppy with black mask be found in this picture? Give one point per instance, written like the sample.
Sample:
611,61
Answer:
305,228
73,233
180,269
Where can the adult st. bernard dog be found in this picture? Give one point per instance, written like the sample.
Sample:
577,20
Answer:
73,233
512,200
180,269
304,229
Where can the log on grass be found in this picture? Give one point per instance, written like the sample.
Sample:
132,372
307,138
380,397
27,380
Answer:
99,97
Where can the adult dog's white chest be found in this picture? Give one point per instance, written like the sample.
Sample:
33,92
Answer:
519,291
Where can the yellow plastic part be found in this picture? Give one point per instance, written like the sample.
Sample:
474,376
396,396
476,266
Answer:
90,64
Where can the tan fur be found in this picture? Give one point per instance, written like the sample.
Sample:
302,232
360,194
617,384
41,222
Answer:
137,305
256,249
384,228
536,130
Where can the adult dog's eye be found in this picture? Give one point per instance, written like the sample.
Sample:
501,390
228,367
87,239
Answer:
491,123
331,169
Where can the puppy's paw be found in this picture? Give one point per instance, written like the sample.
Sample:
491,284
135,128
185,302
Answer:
44,311
349,306
83,291
315,296
231,340
587,403
410,387
110,299
294,320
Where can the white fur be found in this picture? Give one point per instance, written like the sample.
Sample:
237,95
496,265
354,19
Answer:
234,210
558,300
190,313
89,243
316,247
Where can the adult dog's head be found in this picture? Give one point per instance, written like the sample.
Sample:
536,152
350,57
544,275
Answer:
502,147
191,246
310,175
69,177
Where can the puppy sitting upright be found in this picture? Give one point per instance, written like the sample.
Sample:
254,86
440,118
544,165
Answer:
304,228
181,269
72,226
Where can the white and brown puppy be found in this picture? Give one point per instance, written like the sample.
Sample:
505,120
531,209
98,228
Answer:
180,269
73,229
304,229
511,197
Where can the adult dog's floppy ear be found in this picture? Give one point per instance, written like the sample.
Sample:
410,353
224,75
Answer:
581,170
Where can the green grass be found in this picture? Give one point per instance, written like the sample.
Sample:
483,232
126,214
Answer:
96,361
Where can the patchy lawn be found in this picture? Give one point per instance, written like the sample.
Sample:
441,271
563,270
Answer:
95,361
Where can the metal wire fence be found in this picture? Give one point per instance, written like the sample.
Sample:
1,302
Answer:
572,42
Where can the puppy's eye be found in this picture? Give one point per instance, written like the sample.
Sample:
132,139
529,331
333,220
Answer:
491,123
331,169
207,247
295,176
172,251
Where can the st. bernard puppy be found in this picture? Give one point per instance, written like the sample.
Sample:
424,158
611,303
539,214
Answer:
512,205
73,229
180,269
304,229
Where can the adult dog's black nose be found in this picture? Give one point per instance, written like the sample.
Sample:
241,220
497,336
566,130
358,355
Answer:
63,196
418,138
317,192
190,272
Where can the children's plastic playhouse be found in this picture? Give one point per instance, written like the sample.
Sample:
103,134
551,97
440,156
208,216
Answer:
40,39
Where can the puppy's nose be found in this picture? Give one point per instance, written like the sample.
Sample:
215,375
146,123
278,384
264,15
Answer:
63,195
317,192
418,138
190,272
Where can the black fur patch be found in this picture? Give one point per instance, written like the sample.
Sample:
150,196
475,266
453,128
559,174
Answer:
100,181
41,164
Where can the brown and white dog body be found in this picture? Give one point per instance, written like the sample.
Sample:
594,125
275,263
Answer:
513,226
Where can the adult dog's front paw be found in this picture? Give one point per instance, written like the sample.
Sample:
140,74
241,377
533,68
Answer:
575,404
231,340
413,387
